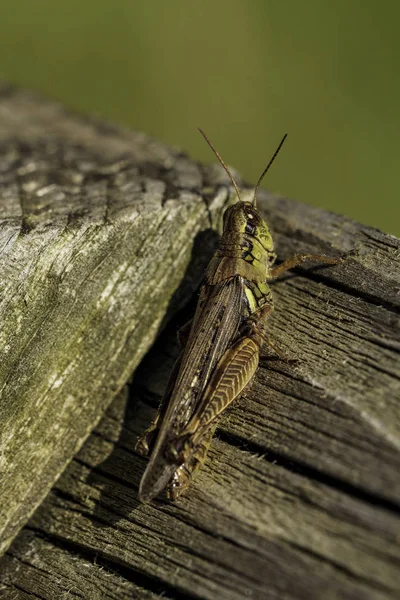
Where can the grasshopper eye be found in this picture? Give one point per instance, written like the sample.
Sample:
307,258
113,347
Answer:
250,228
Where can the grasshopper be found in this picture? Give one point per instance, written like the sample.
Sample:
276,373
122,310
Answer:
221,346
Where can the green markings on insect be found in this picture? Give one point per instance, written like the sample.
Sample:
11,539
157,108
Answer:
221,352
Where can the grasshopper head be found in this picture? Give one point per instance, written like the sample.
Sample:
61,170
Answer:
245,231
244,219
244,225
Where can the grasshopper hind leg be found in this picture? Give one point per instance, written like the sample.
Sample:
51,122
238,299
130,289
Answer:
233,372
188,469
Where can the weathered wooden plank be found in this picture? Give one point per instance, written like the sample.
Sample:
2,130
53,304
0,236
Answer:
37,568
337,411
293,501
300,496
248,526
96,233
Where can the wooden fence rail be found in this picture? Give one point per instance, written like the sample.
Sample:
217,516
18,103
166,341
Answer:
104,236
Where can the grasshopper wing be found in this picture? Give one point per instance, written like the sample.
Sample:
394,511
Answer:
216,323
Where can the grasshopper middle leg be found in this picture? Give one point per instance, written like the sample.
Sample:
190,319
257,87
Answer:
299,259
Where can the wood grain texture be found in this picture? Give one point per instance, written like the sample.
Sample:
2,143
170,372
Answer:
299,497
36,567
300,494
97,227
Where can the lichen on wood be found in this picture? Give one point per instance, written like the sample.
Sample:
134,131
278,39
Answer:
96,234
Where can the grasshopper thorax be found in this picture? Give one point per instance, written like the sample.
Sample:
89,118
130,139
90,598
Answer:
246,247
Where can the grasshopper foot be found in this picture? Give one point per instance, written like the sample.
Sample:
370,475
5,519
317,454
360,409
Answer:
281,354
145,443
181,481
193,458
284,358
346,255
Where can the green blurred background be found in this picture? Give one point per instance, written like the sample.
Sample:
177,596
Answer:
327,72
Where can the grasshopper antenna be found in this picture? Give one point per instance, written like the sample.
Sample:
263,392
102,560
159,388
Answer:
267,167
217,154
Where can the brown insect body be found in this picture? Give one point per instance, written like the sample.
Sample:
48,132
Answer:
222,351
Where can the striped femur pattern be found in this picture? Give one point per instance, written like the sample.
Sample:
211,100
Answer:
230,378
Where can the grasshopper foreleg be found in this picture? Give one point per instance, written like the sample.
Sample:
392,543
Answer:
299,259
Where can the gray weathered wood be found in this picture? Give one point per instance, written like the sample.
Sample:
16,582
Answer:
36,567
300,495
97,227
